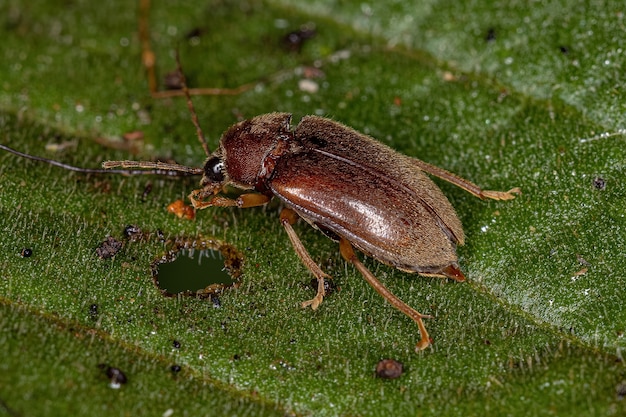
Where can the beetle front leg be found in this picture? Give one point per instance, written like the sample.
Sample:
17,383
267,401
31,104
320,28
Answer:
287,218
468,186
345,247
198,197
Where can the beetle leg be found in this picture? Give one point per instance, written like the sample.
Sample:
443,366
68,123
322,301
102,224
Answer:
287,218
348,254
243,201
468,186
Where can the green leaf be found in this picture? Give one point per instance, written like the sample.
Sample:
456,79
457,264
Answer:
502,94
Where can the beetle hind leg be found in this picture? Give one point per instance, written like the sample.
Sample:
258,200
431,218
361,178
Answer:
348,254
468,186
287,218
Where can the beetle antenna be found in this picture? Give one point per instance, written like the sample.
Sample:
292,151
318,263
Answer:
192,110
156,168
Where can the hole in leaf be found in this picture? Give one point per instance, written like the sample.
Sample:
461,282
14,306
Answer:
197,268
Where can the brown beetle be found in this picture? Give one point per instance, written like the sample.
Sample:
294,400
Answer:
346,184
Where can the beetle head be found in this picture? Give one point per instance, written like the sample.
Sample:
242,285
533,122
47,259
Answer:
244,147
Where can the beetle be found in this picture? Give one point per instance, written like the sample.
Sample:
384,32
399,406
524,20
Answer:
351,187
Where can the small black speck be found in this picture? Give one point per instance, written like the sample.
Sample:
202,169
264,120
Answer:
216,301
236,357
114,374
93,311
173,81
147,190
294,40
194,33
599,183
176,344
329,285
26,253
491,35
175,369
131,230
564,49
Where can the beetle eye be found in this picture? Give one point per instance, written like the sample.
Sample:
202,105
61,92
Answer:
214,169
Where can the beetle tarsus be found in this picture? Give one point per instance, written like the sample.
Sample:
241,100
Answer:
422,344
214,201
500,195
316,301
319,297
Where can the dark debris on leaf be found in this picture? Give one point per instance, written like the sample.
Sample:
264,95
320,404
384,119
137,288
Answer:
599,183
93,312
389,369
108,248
131,231
115,375
293,41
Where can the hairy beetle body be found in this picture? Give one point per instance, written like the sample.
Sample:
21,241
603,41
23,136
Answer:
345,182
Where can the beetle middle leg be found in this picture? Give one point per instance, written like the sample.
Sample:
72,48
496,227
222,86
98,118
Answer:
468,186
287,218
345,247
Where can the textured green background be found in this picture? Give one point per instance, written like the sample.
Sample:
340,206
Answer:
539,106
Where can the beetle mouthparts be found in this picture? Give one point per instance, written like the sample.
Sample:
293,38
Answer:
452,271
